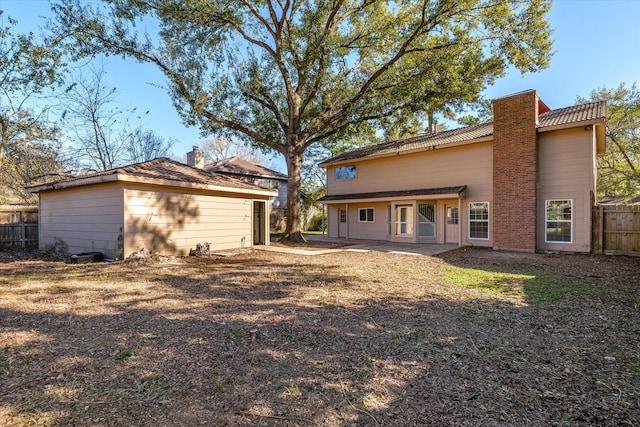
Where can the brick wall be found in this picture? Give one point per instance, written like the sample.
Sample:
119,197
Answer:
515,168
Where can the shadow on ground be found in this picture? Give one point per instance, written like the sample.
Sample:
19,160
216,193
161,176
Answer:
357,339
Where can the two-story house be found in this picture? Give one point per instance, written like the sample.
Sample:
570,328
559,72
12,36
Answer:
524,182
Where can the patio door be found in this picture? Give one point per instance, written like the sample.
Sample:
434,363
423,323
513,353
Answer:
342,222
404,220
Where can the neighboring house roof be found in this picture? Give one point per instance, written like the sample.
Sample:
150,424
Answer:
161,171
397,194
238,166
579,115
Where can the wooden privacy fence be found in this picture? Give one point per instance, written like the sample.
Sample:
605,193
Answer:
19,226
616,230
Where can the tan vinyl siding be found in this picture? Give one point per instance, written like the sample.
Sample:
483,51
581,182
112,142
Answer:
167,221
470,165
82,219
376,230
566,172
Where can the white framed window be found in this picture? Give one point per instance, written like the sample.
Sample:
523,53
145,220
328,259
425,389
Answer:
366,214
558,221
479,220
346,172
343,215
426,220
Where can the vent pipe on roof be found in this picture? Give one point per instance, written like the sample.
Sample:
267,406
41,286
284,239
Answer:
195,158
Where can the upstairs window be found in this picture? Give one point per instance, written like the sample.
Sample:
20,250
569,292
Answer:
345,172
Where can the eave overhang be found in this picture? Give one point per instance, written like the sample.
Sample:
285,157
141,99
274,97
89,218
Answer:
396,195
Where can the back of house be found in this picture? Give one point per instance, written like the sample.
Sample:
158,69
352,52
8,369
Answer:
525,182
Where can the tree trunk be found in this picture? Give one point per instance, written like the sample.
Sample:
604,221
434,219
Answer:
293,230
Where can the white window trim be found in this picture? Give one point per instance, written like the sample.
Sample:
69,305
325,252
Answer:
546,221
373,211
488,220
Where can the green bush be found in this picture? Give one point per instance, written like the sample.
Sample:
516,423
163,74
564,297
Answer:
315,222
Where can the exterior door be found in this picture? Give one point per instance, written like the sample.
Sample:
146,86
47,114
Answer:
259,228
342,222
452,225
404,220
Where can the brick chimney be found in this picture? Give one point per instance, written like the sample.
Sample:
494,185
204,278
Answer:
195,158
515,171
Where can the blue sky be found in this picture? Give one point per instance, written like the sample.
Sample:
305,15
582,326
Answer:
596,43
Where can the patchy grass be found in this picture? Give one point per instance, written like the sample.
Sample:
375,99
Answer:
535,288
474,337
492,282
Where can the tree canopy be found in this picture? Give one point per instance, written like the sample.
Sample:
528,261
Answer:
27,138
102,132
619,168
288,74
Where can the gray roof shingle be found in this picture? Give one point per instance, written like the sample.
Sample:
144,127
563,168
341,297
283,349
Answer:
160,170
575,114
238,166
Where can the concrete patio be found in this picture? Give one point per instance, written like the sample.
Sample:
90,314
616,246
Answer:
357,245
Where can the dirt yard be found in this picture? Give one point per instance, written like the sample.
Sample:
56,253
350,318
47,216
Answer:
473,337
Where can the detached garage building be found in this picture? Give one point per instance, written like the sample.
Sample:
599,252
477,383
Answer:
160,205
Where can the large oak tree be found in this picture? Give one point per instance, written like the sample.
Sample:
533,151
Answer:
288,74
